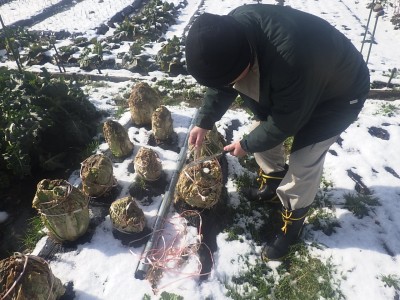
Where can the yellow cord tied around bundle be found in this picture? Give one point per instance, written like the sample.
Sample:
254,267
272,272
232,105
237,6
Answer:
262,178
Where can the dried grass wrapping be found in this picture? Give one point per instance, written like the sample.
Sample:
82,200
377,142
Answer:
63,208
213,143
117,139
142,102
200,185
28,277
147,164
97,175
127,216
162,124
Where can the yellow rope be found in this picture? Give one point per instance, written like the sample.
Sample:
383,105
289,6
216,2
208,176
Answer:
287,219
262,178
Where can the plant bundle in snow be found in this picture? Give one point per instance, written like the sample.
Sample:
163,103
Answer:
200,185
117,139
169,57
28,277
162,124
213,143
126,216
147,164
143,100
97,175
63,208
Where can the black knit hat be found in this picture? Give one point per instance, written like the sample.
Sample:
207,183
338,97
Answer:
217,50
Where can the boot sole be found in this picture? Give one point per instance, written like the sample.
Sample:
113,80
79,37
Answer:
265,259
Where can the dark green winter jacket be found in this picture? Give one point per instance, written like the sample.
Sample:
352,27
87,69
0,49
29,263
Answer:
309,73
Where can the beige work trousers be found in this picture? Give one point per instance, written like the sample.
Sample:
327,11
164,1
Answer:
302,180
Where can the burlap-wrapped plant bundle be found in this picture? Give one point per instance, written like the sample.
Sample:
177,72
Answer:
28,277
63,208
117,139
142,103
97,175
162,124
212,144
147,164
200,185
126,216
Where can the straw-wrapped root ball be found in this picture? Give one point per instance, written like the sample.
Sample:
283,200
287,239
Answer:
147,164
28,277
63,209
126,216
142,102
97,175
200,185
213,143
117,139
162,124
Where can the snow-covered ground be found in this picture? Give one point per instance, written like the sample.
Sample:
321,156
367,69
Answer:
362,250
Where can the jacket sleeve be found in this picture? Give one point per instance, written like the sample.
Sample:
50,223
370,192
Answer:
292,104
216,103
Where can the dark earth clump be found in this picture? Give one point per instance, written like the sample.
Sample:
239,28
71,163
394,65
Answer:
393,172
360,186
379,133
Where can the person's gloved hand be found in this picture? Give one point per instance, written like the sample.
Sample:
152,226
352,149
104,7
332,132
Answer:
235,149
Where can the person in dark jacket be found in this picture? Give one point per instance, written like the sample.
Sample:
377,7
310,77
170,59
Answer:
301,78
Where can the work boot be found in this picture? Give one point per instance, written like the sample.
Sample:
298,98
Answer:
267,190
292,225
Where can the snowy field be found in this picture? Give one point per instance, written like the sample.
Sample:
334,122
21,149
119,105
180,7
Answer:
361,249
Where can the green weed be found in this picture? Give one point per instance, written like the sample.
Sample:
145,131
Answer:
168,100
164,296
391,281
256,283
322,199
251,219
165,83
387,109
323,219
170,296
301,277
244,180
90,149
192,96
326,184
174,93
119,111
234,232
359,204
34,233
97,84
239,102
306,277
